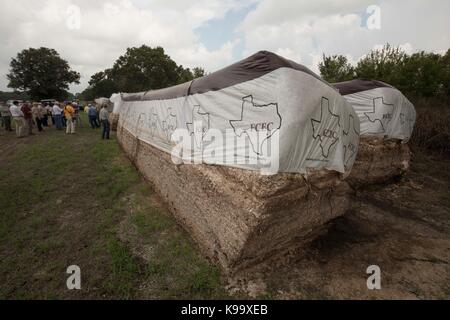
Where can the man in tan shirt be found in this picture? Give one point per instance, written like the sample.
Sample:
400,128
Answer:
104,118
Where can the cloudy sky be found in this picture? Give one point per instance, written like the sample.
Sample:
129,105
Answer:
91,35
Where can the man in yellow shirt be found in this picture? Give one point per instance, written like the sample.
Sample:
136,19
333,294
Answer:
69,113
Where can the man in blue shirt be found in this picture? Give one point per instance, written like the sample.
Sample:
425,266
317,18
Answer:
92,114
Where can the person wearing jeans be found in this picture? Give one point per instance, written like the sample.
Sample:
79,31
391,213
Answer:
104,118
92,114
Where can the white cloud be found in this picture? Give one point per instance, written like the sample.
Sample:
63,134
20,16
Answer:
107,28
289,54
301,30
305,29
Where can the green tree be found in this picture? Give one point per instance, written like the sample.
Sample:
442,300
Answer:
382,64
422,74
184,75
445,62
41,73
336,69
198,72
144,68
102,85
5,96
139,69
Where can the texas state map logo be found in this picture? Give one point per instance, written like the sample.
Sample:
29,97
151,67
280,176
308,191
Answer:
166,126
327,135
350,149
382,113
199,118
258,123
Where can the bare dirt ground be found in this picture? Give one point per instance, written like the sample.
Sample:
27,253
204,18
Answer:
79,201
403,227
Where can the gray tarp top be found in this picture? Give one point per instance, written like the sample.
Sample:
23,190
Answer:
358,85
248,69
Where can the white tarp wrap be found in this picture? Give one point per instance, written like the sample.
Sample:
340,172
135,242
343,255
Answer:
102,101
384,112
315,127
116,99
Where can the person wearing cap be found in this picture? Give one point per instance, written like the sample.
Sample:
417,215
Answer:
18,119
69,113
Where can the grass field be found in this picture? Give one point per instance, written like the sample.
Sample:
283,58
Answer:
76,200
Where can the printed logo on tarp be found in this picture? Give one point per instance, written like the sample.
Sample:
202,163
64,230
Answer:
153,122
382,113
204,119
326,129
252,140
170,124
407,119
257,122
350,149
162,128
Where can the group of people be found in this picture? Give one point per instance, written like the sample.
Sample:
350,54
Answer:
27,115
96,117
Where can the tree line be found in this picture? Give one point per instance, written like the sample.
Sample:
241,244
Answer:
422,74
42,74
139,69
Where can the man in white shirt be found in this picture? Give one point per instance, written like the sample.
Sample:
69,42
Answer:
18,119
57,114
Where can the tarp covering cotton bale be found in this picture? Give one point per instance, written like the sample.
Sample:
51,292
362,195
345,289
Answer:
116,99
250,159
387,121
100,102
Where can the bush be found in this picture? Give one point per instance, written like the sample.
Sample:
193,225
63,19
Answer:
432,130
